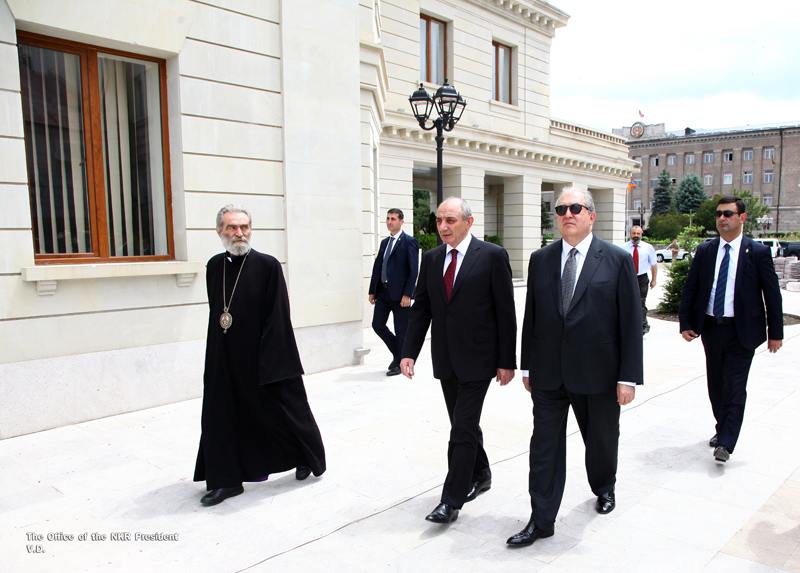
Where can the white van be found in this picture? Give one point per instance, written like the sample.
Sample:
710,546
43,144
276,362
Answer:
773,244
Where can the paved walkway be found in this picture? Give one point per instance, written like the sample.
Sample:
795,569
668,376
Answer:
386,440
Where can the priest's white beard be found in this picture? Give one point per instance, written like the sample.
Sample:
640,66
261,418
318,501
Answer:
236,246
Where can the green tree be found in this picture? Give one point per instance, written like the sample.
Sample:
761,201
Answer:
422,208
691,194
673,288
666,227
754,210
547,222
427,241
705,215
662,195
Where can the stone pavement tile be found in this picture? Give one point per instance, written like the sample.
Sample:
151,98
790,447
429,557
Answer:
611,549
669,556
692,507
769,537
723,563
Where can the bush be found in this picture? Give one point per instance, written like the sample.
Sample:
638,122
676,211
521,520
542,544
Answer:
673,288
547,238
666,227
493,239
427,241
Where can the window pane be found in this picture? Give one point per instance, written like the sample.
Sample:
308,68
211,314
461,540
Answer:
437,58
130,115
505,74
53,121
423,50
495,56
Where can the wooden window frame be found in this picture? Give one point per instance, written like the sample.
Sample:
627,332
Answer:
428,20
496,48
95,178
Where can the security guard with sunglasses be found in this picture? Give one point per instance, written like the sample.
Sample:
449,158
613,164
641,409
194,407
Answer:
729,283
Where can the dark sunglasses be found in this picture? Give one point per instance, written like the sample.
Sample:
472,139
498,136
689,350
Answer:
575,208
726,212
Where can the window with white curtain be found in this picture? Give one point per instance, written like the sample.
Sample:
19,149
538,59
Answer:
432,49
95,130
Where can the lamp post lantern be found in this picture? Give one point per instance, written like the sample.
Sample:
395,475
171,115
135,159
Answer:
449,106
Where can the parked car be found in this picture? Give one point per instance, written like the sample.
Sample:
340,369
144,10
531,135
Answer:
773,244
791,248
666,255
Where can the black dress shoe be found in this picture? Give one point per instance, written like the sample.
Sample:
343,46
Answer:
216,496
712,443
530,534
393,371
477,488
302,472
443,514
722,454
606,503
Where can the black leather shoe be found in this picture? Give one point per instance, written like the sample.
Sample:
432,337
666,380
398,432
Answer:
722,454
477,488
606,503
216,496
302,472
443,514
530,534
712,443
393,371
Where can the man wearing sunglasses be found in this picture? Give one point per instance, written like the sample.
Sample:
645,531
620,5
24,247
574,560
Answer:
730,281
581,347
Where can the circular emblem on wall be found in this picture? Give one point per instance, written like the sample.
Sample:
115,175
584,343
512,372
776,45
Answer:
637,129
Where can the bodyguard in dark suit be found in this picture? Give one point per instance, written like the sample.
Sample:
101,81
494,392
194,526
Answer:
730,280
394,275
466,295
581,347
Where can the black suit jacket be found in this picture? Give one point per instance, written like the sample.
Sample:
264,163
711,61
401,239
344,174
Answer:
599,342
474,333
401,270
756,284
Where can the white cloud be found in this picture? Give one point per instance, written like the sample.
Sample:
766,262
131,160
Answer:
701,63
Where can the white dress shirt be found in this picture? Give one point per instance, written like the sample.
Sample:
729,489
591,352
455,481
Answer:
647,256
736,246
462,251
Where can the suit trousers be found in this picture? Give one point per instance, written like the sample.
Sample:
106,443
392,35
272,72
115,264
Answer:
383,306
466,459
644,285
727,366
598,420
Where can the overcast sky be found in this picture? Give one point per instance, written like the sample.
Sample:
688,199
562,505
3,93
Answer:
686,63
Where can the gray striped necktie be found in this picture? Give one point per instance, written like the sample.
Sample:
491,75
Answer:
568,281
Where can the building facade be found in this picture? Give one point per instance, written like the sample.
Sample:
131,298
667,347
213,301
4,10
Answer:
764,160
126,124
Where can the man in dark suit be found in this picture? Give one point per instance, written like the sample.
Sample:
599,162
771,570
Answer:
466,295
581,347
394,275
730,280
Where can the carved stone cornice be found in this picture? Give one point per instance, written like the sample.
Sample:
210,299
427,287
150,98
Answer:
515,149
541,15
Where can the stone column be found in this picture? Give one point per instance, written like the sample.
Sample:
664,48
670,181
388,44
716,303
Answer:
467,183
522,215
610,222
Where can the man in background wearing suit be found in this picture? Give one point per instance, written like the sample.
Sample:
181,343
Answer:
581,347
394,275
730,280
466,295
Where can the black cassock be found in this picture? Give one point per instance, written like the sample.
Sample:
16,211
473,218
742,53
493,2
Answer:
256,418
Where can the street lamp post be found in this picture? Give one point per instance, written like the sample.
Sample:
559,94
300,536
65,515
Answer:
449,106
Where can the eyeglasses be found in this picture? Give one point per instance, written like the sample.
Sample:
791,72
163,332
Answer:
575,208
726,212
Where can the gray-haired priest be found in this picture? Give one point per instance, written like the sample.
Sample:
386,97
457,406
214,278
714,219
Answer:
256,418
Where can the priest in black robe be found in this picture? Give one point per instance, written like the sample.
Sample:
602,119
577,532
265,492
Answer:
256,420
